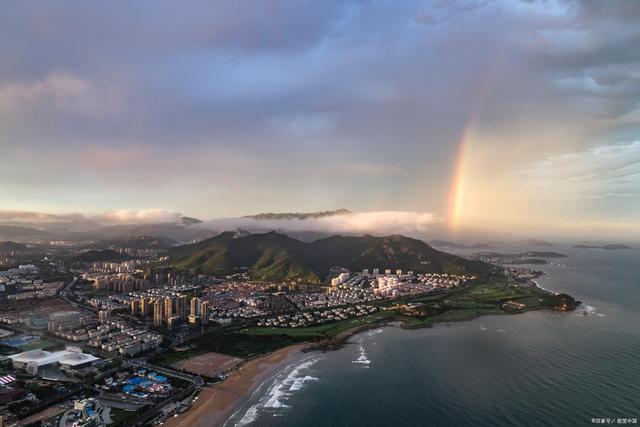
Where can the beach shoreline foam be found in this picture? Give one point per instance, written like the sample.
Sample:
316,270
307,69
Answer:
217,403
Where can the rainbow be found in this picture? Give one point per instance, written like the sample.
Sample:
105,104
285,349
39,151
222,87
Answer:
456,191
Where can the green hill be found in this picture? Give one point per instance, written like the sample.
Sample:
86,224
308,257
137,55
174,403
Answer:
276,257
18,233
99,256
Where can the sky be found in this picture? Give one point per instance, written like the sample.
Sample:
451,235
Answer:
512,116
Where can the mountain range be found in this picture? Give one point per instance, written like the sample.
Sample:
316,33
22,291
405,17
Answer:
299,215
277,257
87,231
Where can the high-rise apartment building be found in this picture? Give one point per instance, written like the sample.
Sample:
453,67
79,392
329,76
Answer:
195,306
158,313
168,307
181,307
204,313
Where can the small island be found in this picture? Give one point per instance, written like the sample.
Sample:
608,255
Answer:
609,247
536,242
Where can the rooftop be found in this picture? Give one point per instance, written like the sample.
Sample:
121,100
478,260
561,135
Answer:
71,357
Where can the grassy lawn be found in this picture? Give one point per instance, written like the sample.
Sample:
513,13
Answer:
491,293
327,330
463,304
450,316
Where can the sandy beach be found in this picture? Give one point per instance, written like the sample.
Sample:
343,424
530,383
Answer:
217,403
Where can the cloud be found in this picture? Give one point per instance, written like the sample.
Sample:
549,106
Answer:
379,223
368,169
115,159
28,216
122,216
603,171
147,216
358,103
60,93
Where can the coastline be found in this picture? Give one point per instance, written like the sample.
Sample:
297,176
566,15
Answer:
218,402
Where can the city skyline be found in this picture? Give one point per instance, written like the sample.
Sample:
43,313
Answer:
425,109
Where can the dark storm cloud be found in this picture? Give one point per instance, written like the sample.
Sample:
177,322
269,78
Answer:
205,71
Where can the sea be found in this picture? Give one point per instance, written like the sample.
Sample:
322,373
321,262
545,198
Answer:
541,368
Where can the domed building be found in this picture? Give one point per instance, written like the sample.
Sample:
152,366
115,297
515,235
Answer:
34,360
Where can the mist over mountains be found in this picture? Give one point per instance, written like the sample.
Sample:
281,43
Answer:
35,227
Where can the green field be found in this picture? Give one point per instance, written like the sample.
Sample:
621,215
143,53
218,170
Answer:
464,304
328,330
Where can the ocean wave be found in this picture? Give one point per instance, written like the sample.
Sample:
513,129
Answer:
284,385
588,310
275,394
299,382
362,358
249,417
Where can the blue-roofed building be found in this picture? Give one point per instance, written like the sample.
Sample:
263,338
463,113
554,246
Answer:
136,380
128,388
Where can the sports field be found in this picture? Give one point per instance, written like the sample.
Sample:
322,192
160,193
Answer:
208,364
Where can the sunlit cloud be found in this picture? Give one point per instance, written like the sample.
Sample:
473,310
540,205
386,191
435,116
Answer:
370,169
28,216
147,216
60,93
378,223
122,216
